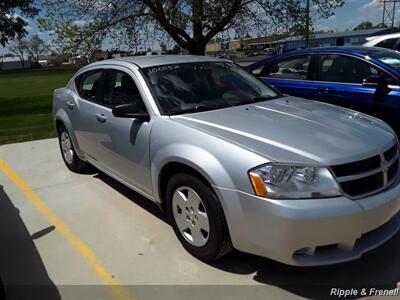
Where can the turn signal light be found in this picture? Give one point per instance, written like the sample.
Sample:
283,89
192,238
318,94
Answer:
258,185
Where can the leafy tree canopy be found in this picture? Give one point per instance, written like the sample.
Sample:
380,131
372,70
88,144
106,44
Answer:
364,25
11,24
81,26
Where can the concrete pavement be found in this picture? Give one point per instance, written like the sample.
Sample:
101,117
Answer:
131,240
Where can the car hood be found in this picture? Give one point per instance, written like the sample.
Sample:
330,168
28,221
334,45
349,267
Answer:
296,130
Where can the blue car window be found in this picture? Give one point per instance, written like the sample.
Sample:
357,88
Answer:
289,68
346,69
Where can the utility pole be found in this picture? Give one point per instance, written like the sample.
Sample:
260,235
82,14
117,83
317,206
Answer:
389,12
307,23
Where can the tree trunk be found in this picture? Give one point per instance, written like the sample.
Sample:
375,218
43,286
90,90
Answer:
196,45
196,48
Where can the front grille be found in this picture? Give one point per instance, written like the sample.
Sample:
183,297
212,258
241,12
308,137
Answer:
389,154
362,186
368,175
360,166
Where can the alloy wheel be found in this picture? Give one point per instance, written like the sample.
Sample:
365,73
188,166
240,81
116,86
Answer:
66,147
190,216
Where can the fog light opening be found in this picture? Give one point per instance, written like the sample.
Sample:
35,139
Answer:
305,251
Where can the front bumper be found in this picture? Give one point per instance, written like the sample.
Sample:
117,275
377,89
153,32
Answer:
313,231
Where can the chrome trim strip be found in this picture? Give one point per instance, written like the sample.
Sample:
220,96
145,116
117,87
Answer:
360,175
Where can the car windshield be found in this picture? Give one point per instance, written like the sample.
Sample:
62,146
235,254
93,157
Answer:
391,58
193,87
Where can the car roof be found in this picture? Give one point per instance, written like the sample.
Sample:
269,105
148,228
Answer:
360,51
357,50
159,60
379,38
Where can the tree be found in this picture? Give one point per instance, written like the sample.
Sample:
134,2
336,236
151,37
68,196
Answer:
163,47
36,47
11,24
18,47
190,23
364,25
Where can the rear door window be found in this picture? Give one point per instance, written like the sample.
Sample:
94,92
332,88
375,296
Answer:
289,68
88,84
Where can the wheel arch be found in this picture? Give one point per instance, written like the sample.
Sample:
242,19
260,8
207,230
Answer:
172,168
61,118
183,158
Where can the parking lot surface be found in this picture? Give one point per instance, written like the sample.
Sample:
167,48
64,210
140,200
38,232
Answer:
86,236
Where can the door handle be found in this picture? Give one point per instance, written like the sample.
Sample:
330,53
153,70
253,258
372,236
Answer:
70,104
101,118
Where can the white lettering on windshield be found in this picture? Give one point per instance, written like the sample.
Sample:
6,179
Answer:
163,68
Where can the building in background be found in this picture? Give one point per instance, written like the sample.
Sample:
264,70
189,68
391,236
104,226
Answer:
249,44
347,38
15,63
276,45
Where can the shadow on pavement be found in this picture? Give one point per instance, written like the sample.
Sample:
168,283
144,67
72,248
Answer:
138,199
22,272
379,268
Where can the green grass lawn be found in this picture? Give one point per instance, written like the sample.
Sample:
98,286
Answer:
26,102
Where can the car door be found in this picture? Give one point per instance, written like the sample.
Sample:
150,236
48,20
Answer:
340,81
81,112
123,143
388,106
290,75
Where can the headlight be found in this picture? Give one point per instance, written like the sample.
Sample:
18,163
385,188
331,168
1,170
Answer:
293,182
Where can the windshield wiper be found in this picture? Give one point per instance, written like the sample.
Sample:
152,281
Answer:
198,108
262,98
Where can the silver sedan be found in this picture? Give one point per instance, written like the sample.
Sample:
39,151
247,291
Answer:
233,162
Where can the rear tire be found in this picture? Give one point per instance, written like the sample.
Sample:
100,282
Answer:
197,217
68,153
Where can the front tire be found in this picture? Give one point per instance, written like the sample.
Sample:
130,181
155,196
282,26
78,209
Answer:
68,153
197,217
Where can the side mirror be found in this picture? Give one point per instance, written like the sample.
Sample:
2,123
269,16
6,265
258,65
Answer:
375,81
130,110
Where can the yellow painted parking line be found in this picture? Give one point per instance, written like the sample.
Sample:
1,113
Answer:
68,234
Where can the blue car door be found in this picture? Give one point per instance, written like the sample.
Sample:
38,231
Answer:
339,81
387,106
289,75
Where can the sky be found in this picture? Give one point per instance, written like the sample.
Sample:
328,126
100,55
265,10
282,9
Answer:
346,17
353,13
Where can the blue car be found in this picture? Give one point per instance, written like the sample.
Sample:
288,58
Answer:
365,79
